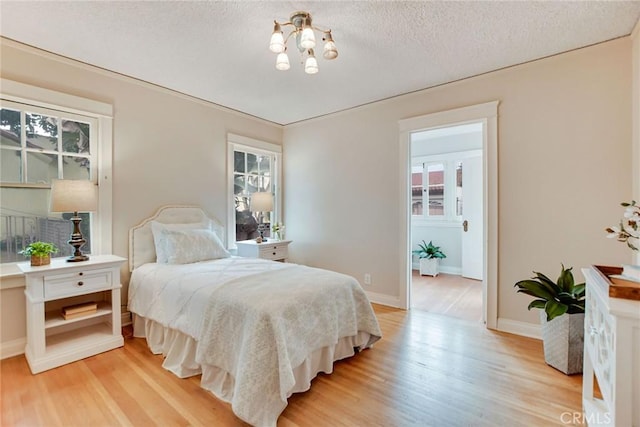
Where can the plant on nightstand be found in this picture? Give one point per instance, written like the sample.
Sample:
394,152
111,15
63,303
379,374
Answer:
562,335
39,252
430,256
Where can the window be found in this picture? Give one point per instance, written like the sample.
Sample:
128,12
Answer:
437,182
40,141
255,167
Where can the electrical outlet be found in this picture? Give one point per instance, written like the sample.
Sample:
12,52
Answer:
367,279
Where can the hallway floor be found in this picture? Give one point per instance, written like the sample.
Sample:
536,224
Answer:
447,294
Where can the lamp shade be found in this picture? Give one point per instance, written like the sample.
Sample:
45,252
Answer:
282,62
261,202
73,196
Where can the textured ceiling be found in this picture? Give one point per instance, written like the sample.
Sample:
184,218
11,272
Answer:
218,51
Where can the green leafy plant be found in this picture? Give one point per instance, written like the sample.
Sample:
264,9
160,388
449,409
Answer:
556,299
429,251
39,249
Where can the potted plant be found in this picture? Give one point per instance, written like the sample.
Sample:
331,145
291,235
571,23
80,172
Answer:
562,317
40,252
430,256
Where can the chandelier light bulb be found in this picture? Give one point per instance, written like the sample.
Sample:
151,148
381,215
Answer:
330,50
282,62
307,39
311,64
277,40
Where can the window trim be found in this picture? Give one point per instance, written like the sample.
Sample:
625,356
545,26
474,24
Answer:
103,113
244,143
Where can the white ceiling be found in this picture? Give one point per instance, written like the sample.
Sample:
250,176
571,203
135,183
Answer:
218,51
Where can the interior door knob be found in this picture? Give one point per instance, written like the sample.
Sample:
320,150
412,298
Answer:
465,225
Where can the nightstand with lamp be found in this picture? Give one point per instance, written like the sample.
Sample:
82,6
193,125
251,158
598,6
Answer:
72,304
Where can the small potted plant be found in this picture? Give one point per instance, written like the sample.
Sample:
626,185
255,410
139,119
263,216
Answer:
562,317
430,256
40,252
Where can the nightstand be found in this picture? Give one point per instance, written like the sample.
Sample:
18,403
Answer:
276,250
53,341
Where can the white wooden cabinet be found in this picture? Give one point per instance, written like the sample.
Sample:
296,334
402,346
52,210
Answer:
53,341
611,355
276,250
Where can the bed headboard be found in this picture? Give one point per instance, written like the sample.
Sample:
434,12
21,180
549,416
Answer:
141,247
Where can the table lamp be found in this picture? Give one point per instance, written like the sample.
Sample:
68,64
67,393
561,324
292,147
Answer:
261,202
74,196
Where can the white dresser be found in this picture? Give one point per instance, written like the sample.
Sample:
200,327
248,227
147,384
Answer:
53,341
276,250
611,354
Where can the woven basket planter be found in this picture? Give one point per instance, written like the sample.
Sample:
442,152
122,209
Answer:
40,260
563,340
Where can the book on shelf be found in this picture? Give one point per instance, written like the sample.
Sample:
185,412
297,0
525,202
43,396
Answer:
78,310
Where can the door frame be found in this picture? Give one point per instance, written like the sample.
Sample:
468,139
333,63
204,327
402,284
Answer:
487,114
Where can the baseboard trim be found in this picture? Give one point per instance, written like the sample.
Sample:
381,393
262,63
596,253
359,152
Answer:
525,329
443,269
12,348
125,317
383,299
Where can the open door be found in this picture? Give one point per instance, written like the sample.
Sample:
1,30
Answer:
472,225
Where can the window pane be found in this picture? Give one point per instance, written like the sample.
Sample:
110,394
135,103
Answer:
75,168
264,165
265,184
238,184
42,131
11,170
252,163
253,183
416,190
41,167
75,137
238,161
459,189
10,127
435,178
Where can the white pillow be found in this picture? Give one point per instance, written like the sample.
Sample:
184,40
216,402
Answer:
187,246
157,228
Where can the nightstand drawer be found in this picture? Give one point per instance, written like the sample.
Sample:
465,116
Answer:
274,251
78,283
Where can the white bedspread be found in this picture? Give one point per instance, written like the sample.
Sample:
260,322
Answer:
256,320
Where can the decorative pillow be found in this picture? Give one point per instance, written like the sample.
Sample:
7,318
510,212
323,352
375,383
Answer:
157,228
187,246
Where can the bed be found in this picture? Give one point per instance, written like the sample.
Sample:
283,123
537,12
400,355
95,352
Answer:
256,330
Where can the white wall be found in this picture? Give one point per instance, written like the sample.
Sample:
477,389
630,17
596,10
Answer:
564,148
448,237
167,148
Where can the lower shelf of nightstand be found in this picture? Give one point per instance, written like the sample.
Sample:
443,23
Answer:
74,345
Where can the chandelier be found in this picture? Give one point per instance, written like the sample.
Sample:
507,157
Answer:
303,32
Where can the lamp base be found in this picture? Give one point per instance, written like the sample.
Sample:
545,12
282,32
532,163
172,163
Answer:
77,240
77,258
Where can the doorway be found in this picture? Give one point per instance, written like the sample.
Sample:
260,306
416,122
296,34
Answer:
446,210
485,116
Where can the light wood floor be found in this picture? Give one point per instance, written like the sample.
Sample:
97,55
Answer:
448,294
428,370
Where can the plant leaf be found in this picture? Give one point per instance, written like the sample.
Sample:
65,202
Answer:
547,282
537,289
537,303
565,281
578,290
555,309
